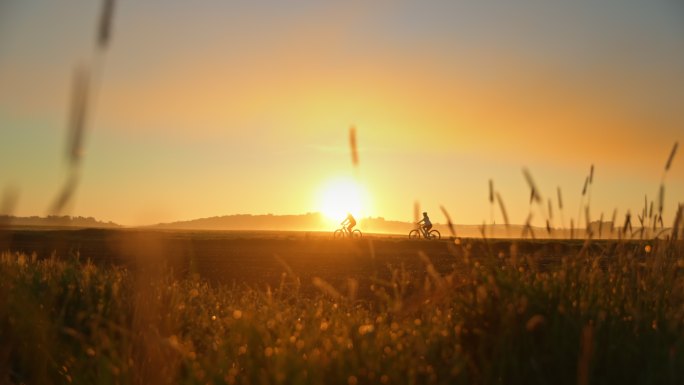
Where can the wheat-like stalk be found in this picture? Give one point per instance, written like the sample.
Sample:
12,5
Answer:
502,207
588,221
353,147
560,206
105,25
491,204
528,227
584,193
80,107
449,223
671,157
534,191
677,222
628,223
572,229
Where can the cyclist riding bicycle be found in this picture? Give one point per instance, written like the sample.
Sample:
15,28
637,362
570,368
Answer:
426,224
349,222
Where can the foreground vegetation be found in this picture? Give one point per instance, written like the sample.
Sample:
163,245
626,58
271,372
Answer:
606,317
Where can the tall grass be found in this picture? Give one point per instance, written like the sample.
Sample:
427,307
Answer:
608,316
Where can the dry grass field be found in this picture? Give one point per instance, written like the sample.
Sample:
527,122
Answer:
95,306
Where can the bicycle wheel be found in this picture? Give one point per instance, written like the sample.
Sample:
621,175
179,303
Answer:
414,234
338,234
356,234
434,234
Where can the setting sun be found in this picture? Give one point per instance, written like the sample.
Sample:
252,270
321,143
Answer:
341,196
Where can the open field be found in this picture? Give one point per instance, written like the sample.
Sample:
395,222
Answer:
379,310
258,259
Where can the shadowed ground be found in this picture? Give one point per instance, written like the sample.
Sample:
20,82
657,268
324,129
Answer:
258,259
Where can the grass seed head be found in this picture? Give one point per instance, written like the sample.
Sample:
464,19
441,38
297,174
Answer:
671,157
78,115
491,191
572,228
353,147
502,207
448,218
533,187
661,199
628,222
105,27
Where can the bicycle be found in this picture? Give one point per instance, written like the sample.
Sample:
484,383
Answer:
420,231
342,232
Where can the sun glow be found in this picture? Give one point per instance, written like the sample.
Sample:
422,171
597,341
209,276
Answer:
341,196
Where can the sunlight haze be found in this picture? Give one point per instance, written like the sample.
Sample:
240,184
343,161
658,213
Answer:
244,107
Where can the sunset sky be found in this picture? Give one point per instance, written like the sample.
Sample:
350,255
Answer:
227,107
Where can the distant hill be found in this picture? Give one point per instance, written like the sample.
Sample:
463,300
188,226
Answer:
317,222
303,222
53,221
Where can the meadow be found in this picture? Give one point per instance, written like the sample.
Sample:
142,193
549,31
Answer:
470,311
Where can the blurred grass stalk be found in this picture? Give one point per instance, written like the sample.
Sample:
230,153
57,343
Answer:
83,93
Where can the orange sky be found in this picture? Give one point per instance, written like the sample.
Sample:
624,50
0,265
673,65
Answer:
214,109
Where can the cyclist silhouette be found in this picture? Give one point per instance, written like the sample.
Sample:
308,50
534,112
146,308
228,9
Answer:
349,222
426,224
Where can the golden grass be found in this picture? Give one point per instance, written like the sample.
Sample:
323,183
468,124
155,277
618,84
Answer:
612,316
